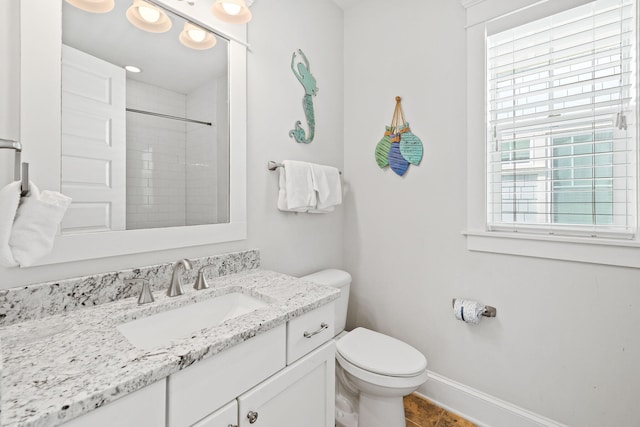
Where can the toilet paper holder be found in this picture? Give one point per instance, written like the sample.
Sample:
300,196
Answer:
488,310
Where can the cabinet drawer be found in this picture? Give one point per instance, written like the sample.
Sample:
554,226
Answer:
223,417
309,331
202,388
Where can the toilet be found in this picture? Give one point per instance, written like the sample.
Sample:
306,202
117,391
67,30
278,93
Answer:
374,371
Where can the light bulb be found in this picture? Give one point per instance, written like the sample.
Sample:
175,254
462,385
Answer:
196,35
149,14
231,8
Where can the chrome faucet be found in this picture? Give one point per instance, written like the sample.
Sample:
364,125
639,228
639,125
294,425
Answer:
175,287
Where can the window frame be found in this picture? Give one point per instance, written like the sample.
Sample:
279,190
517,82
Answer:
529,242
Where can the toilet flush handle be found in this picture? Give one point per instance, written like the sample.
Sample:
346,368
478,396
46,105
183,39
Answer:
323,326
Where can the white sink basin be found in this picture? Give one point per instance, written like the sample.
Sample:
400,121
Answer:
158,330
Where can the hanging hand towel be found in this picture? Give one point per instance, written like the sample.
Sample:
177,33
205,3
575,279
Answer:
9,199
299,185
327,183
36,224
282,194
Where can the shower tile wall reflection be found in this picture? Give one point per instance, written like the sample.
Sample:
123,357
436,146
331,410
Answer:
203,159
173,167
156,169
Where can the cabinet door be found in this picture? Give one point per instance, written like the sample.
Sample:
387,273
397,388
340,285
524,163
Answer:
302,394
227,416
195,392
142,408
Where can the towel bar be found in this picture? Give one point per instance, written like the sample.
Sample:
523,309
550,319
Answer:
275,165
18,165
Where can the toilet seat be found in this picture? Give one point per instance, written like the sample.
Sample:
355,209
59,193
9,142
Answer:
383,381
381,360
380,354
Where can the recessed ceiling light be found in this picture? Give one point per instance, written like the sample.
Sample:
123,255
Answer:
132,68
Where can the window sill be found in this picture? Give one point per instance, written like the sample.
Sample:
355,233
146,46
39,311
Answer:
624,253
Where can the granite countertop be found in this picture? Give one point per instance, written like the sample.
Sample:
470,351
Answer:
59,367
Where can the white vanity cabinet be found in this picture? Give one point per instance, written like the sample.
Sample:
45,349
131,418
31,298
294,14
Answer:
142,408
280,378
303,394
197,391
284,377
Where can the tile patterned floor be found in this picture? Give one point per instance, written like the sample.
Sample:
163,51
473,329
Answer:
420,412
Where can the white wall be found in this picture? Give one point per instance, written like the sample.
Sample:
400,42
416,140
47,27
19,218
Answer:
565,343
294,243
289,243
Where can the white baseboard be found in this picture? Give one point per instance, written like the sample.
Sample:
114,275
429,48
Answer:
478,407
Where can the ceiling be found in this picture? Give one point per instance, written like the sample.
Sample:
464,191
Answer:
164,61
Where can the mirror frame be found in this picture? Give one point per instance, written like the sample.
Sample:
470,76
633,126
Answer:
40,117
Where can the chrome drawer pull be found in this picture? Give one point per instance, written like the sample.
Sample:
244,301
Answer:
253,417
323,326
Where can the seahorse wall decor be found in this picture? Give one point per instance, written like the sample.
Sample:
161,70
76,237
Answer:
303,73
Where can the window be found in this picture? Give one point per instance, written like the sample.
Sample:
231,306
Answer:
561,119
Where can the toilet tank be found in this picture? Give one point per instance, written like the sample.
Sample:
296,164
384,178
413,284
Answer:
338,279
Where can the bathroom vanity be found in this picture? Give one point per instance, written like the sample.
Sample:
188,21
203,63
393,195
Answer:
273,366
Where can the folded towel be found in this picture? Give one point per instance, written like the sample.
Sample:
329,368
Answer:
327,183
282,195
299,186
9,199
36,224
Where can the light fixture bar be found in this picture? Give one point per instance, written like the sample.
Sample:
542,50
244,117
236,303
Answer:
212,30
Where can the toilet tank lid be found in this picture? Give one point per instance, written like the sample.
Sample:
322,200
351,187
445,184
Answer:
330,277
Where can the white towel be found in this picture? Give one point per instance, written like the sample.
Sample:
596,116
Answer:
327,184
300,193
36,224
9,199
282,194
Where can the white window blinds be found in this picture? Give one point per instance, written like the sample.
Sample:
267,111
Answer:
561,123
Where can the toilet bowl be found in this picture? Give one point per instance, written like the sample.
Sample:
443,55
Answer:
374,371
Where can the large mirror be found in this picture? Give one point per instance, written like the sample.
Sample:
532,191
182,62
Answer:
180,169
145,120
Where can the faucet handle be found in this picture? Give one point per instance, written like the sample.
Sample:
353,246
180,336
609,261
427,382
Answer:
145,292
201,281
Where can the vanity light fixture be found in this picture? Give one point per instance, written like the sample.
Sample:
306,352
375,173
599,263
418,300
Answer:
196,37
148,17
132,68
231,11
94,6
